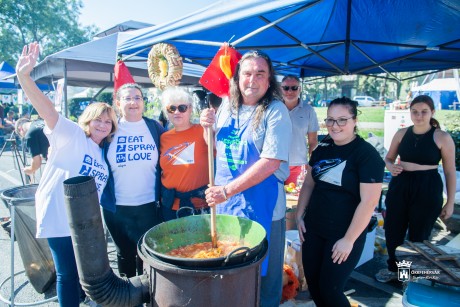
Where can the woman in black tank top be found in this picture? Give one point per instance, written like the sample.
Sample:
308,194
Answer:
415,195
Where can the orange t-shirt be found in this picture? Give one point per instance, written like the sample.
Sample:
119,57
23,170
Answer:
184,162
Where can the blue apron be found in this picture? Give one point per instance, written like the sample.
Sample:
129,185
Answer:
236,152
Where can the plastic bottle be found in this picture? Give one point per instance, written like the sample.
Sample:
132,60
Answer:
301,177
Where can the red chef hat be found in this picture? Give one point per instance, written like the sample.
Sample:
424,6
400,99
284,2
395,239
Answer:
214,78
122,76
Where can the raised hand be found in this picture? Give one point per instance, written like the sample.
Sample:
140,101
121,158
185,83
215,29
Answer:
28,59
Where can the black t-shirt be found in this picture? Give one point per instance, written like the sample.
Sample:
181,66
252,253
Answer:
337,172
36,140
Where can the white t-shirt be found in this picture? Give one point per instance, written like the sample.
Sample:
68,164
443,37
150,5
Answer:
133,159
72,154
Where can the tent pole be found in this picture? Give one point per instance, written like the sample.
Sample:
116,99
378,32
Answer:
347,39
457,84
134,54
372,60
66,108
255,32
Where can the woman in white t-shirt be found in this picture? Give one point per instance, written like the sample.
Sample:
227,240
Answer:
130,199
76,150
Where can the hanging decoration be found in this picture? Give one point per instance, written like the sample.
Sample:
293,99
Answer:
217,76
122,76
164,65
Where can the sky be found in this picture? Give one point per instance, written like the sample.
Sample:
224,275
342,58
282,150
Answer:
108,13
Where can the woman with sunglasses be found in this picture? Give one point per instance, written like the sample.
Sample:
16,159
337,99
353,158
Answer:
183,158
130,199
336,202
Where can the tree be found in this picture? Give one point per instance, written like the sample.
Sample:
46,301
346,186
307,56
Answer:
51,23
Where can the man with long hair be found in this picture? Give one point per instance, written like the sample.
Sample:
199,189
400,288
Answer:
252,136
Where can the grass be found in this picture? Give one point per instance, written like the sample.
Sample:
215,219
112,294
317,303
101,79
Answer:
377,114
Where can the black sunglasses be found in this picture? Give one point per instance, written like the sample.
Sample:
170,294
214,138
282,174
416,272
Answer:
293,88
182,108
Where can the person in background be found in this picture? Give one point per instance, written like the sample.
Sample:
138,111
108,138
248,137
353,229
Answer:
214,101
183,158
2,113
414,199
9,122
35,140
252,136
77,150
336,202
304,127
130,199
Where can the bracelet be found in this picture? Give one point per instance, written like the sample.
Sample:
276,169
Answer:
224,192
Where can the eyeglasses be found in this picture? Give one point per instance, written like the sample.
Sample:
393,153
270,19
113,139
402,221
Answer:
135,99
340,122
182,108
293,88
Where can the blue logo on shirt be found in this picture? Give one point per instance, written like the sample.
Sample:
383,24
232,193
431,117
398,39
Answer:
121,148
88,160
85,170
121,158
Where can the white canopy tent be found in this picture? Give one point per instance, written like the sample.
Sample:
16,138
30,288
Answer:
443,91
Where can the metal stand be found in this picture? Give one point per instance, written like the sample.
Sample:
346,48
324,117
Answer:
11,277
18,159
12,273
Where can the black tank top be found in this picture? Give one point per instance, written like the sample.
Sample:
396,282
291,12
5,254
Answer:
419,148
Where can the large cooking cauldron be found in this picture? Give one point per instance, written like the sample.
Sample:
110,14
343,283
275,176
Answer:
164,283
170,235
229,286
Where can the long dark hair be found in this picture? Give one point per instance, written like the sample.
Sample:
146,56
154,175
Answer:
273,91
426,99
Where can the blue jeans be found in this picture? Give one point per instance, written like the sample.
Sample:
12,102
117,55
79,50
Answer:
68,287
272,283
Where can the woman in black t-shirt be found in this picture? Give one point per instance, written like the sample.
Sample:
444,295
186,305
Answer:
336,202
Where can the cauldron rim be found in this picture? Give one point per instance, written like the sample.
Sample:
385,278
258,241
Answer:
209,262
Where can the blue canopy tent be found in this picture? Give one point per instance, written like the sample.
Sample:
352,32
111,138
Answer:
316,37
6,86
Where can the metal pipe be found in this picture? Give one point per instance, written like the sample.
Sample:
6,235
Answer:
96,277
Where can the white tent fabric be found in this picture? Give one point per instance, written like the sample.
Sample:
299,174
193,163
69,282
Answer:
444,84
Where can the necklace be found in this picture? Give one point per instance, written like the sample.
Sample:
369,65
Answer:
249,117
418,137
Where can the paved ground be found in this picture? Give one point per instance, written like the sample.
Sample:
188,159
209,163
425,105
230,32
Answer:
362,287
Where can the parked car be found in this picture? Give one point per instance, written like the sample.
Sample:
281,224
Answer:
365,101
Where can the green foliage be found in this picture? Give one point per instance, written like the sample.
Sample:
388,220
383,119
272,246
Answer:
77,105
51,23
452,124
369,86
105,97
364,133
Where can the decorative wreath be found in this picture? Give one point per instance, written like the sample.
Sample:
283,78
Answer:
164,65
